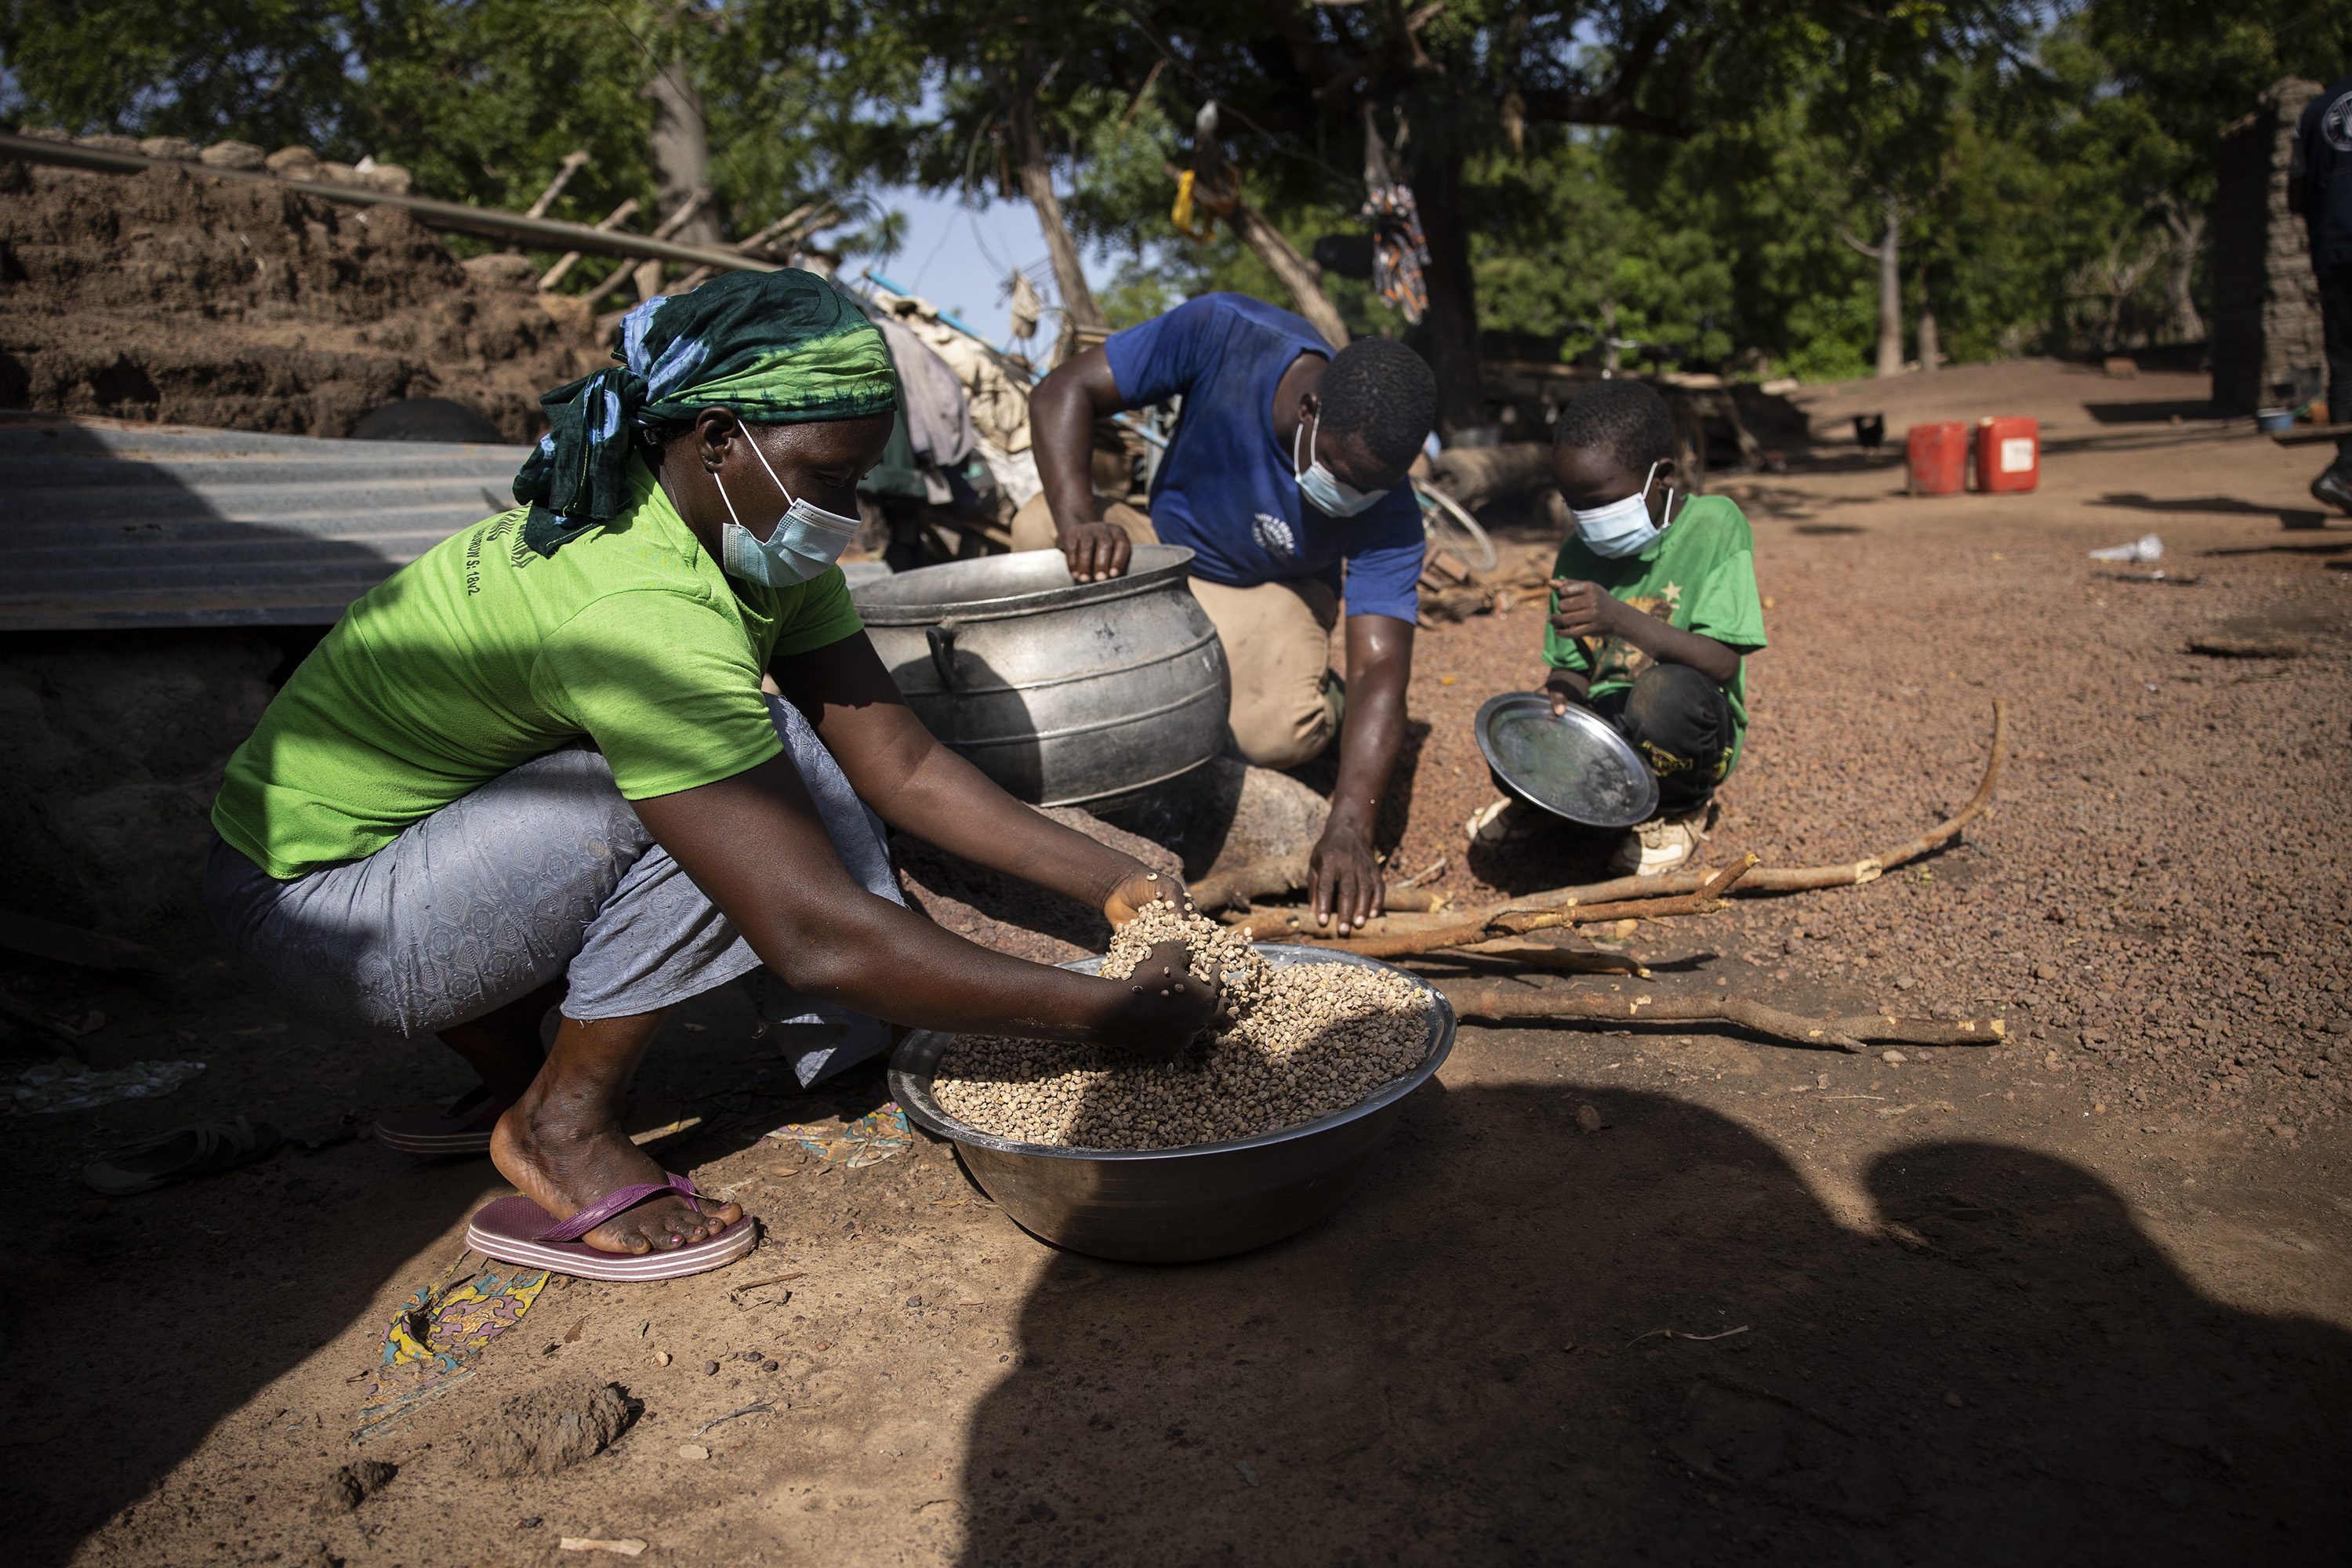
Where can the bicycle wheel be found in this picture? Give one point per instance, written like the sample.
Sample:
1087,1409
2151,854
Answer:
1446,523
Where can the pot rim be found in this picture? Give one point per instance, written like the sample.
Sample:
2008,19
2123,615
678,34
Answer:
1176,567
912,1088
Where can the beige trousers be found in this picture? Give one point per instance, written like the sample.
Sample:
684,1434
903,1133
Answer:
1277,641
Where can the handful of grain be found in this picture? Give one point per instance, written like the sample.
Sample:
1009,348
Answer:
1307,1039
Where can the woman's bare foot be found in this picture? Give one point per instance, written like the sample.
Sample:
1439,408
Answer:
563,1146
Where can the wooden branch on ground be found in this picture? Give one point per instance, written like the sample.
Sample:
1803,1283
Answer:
1786,879
1885,1028
1240,885
1643,898
1518,923
1852,1035
1536,956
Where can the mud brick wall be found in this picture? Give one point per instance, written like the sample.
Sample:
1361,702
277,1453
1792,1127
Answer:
2266,331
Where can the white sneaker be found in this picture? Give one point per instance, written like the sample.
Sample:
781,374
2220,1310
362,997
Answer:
1505,821
1660,845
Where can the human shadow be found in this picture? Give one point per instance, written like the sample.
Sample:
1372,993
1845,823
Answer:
2289,517
1467,1363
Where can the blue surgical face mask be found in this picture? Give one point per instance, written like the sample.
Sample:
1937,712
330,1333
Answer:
805,543
1624,528
1322,489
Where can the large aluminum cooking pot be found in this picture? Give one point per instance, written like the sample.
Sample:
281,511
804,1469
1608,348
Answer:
1066,693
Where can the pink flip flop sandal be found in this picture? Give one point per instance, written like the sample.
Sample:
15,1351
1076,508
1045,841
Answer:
463,1128
517,1230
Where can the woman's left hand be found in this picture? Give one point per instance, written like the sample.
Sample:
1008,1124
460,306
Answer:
1127,901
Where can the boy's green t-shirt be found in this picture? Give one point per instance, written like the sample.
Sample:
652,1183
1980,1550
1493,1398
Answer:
1698,575
482,654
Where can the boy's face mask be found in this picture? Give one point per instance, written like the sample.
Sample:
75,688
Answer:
1624,528
805,542
1323,488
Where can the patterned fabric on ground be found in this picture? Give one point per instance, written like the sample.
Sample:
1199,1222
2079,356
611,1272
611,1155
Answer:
774,347
428,1341
65,1085
872,1138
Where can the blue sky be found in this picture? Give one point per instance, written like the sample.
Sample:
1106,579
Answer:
959,260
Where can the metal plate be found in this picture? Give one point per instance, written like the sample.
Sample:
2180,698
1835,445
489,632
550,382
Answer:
1573,765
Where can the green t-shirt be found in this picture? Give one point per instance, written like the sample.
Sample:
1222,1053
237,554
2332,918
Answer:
1699,574
482,654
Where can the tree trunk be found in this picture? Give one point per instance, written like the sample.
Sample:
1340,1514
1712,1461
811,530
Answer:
2188,239
1930,349
680,150
1035,170
1453,291
1890,292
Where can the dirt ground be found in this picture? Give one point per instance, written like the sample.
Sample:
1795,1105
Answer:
2083,1295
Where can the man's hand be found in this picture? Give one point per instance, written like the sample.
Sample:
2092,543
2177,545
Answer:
1095,551
1127,901
1346,877
1586,609
1167,1009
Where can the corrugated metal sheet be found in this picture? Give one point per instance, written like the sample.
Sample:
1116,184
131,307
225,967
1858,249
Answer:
108,524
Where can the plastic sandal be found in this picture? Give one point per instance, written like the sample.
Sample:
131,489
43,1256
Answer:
182,1154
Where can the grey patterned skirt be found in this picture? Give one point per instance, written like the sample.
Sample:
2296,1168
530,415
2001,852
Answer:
543,872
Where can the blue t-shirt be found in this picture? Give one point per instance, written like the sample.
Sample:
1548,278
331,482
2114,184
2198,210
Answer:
1226,490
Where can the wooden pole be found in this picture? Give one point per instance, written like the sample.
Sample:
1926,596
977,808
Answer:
452,216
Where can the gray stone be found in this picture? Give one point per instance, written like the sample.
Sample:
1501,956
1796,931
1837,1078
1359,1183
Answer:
1227,814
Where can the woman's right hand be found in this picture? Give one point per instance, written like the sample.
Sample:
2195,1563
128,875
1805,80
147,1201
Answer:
1165,1008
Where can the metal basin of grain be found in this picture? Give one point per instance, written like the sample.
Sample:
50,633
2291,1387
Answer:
1186,1203
1066,693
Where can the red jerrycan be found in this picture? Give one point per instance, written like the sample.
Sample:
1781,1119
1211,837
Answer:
2009,454
1937,457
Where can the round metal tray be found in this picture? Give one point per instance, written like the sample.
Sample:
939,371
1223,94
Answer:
1189,1202
1573,765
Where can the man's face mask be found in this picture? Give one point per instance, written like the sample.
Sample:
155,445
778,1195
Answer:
1624,527
805,542
1322,488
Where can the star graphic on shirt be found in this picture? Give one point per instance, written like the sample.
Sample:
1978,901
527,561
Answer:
1674,595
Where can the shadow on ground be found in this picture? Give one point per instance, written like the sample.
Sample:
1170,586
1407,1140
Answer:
2025,1379
2158,411
2289,517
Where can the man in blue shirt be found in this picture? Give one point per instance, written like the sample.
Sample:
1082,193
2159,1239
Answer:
2319,186
1286,479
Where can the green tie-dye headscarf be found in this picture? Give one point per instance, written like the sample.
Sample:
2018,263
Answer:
774,347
